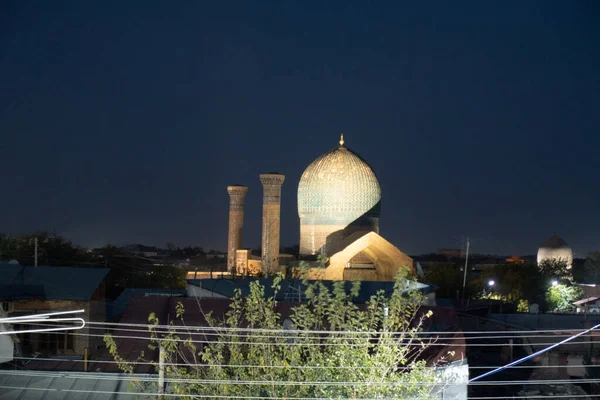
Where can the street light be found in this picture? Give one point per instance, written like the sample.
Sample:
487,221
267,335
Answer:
554,283
491,282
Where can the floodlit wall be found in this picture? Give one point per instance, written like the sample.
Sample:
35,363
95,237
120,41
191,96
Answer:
388,260
561,254
6,342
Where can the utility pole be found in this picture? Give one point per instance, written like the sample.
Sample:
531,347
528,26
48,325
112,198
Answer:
465,272
161,371
35,255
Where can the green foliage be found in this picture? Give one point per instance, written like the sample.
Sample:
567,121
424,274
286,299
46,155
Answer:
517,283
555,270
523,306
560,298
512,282
316,358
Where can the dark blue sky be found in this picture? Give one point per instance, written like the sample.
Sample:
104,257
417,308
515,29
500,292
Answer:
124,123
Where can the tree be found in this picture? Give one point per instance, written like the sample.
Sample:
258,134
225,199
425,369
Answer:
52,249
516,282
335,349
591,268
560,297
447,276
512,283
555,269
135,272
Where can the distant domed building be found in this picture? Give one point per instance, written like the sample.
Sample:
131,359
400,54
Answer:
338,194
556,249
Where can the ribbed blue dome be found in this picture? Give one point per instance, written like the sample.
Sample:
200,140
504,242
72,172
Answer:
337,188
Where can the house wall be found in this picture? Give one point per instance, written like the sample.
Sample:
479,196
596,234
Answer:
453,379
93,311
6,342
591,291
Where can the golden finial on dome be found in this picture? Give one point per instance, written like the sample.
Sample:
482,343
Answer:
342,139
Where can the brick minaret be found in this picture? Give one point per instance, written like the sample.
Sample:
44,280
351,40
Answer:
271,221
236,222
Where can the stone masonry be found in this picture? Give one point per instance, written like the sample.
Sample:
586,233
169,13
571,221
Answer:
271,221
236,222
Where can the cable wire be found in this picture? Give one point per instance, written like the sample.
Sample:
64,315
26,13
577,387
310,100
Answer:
537,353
217,328
92,361
132,378
288,335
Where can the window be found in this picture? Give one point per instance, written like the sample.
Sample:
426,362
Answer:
65,341
44,342
70,341
56,342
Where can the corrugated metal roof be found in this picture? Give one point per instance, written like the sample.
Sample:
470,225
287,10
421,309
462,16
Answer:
19,282
586,300
117,307
32,385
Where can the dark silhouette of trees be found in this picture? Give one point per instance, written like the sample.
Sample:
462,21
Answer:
591,268
126,270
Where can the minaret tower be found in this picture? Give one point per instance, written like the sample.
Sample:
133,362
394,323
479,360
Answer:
271,221
236,222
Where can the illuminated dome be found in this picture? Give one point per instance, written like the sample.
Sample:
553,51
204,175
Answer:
338,194
555,249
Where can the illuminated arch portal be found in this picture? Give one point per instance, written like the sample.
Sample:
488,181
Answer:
385,258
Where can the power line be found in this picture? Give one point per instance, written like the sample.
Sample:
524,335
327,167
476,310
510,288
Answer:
133,378
219,328
290,341
537,353
288,334
92,361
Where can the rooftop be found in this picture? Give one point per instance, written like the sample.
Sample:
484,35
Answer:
18,282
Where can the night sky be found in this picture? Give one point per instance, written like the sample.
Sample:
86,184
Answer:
123,123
